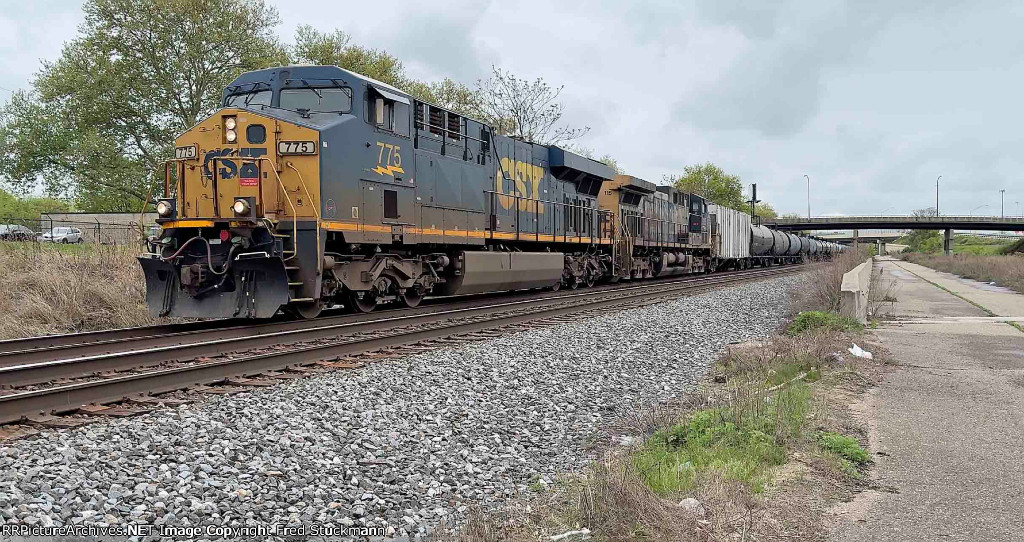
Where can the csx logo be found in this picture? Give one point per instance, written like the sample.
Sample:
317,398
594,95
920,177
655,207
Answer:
526,178
229,168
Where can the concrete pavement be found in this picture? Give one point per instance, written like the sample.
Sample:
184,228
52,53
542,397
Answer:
947,426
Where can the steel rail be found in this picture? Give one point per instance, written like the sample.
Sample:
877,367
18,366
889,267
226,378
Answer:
46,371
48,347
70,397
84,345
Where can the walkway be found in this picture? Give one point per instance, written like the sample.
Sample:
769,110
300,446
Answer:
948,425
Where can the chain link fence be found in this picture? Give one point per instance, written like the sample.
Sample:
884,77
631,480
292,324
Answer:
96,228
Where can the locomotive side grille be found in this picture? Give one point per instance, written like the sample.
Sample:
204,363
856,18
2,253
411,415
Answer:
454,126
436,120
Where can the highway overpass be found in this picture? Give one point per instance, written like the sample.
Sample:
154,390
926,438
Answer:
855,223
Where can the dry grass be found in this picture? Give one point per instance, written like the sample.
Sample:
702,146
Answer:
64,289
822,291
1007,271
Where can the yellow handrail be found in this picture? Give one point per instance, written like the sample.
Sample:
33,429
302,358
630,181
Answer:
316,212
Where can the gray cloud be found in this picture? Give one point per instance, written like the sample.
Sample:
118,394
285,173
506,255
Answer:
873,99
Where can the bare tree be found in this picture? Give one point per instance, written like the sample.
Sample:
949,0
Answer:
524,109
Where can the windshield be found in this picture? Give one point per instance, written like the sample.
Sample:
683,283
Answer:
335,100
248,99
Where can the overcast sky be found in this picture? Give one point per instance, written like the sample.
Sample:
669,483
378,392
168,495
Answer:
872,99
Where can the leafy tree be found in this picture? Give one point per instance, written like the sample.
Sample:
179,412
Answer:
102,118
712,183
13,208
790,215
525,109
764,210
448,94
336,49
924,240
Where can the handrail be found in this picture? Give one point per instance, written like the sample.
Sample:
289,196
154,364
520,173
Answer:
316,212
602,214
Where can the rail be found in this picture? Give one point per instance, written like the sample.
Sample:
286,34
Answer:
170,368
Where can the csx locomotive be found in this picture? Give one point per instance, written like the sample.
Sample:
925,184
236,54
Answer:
314,186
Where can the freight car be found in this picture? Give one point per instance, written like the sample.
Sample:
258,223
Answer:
315,186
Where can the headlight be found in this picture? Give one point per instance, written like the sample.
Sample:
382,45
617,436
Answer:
229,123
241,207
231,136
164,208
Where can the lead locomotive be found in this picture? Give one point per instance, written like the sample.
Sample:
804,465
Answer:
314,186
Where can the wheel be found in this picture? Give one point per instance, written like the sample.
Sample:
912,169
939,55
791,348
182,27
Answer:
79,241
556,286
411,297
307,310
362,301
590,280
64,241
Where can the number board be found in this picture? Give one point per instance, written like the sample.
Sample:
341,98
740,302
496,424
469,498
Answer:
296,147
186,153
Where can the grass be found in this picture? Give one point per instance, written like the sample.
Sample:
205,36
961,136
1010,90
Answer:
1004,270
823,290
52,288
822,320
741,442
846,447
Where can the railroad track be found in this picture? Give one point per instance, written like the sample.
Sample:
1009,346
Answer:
137,367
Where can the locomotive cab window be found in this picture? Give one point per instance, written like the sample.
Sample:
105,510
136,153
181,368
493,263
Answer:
388,111
248,99
317,100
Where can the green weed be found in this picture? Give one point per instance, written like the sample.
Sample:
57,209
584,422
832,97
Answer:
846,447
822,320
741,442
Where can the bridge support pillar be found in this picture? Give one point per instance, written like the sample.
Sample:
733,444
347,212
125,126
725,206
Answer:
881,247
856,239
947,242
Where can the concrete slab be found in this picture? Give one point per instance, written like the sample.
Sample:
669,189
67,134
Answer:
948,422
1000,301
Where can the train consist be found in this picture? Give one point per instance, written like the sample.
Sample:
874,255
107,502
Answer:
314,186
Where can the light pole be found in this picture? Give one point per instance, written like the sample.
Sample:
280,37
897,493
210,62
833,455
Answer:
976,208
884,210
1018,209
1002,193
937,195
808,196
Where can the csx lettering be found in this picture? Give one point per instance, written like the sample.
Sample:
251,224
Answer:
389,161
526,178
229,168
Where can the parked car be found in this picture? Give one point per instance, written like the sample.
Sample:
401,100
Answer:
62,235
16,232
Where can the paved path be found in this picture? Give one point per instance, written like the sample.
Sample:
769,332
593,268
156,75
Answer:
950,421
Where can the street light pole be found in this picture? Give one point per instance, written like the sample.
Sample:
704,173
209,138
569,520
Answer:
808,196
937,195
1002,193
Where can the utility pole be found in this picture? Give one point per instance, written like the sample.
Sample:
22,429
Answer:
808,196
937,195
1002,193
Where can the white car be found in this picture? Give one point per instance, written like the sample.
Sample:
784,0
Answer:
62,235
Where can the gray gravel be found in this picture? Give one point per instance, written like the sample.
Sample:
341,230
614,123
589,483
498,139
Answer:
403,443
